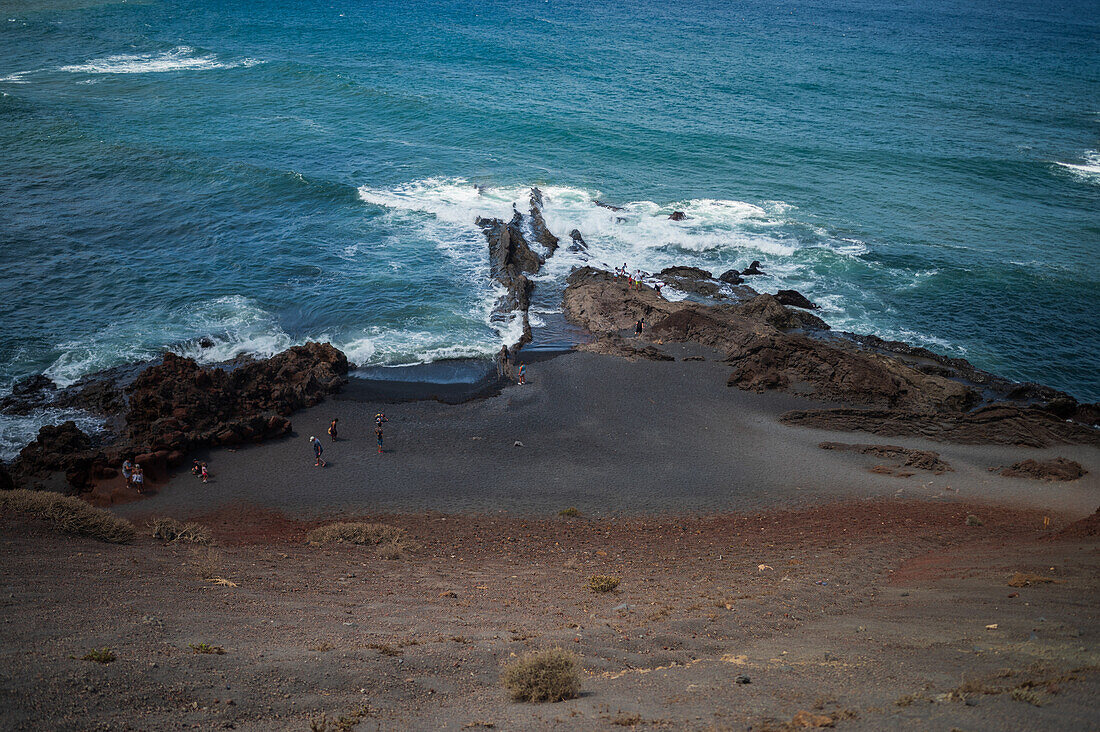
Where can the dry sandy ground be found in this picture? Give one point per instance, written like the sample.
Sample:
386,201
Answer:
743,549
873,614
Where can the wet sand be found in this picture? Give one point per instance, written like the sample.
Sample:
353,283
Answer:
599,433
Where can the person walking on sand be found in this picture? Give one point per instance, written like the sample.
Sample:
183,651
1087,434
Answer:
332,428
128,471
196,467
523,373
378,434
139,479
317,450
205,473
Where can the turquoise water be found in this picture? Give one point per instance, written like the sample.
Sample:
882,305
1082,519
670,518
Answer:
268,173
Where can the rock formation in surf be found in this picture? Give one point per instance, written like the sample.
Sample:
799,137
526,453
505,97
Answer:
894,389
512,258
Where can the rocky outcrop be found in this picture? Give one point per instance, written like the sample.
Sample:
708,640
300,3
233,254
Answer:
579,244
694,280
677,216
768,309
511,259
794,298
998,424
7,483
615,345
902,456
731,277
608,206
177,405
1056,469
602,303
753,269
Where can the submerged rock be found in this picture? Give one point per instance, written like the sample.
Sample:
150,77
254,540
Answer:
753,269
731,276
677,216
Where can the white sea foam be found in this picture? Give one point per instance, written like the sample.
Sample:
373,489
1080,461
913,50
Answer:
182,58
1089,170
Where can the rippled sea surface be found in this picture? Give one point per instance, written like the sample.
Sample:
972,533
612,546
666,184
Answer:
269,173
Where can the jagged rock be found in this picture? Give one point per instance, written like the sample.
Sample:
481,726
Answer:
785,360
206,342
32,385
608,206
177,404
677,216
602,303
768,309
63,448
579,244
794,298
538,224
693,272
615,345
753,269
907,457
1057,469
509,253
731,276
998,424
693,280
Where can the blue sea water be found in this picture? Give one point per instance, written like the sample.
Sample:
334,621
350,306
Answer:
272,172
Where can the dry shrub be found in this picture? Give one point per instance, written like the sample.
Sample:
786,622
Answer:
99,655
571,511
206,561
170,529
972,520
602,583
1026,579
390,538
551,675
207,648
69,514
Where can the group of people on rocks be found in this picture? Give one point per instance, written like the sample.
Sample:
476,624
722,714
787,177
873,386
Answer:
634,281
333,433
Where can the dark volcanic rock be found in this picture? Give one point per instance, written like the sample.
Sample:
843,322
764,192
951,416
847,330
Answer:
731,276
677,216
1057,469
579,244
768,309
795,298
693,272
615,345
178,404
998,424
608,206
753,269
602,303
61,447
7,483
693,280
538,224
907,457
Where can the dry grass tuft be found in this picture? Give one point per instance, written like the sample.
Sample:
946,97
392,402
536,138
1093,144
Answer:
1026,579
551,675
602,583
972,520
339,724
69,514
569,512
207,648
99,655
169,529
392,542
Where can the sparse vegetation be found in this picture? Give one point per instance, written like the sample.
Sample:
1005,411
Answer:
569,512
169,529
972,520
627,720
206,561
207,648
1026,579
339,724
385,649
99,655
551,675
69,514
602,583
391,541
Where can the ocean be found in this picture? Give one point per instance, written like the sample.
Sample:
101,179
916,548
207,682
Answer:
269,173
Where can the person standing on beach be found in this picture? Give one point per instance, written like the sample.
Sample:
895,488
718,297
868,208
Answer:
317,450
523,373
139,479
378,434
128,471
638,328
205,473
332,429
